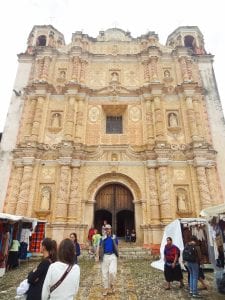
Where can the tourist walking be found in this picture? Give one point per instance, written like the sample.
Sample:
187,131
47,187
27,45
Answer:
192,255
63,276
37,276
104,228
109,244
73,237
172,268
96,242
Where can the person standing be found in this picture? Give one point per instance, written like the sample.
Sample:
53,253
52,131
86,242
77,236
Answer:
193,267
96,241
73,237
63,277
13,259
172,268
37,276
109,244
91,232
104,228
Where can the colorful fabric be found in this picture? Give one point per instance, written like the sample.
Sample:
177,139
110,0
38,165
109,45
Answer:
170,253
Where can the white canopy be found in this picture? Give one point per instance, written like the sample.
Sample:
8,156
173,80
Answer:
16,218
213,211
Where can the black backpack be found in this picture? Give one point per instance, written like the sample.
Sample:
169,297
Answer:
190,253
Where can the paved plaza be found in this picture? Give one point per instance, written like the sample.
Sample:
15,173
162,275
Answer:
136,280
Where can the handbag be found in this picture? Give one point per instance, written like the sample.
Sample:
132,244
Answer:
53,287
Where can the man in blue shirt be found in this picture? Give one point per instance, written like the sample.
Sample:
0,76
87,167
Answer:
109,244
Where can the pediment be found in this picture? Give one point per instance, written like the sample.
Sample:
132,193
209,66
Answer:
114,34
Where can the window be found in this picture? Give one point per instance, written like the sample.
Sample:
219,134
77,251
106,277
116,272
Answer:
114,124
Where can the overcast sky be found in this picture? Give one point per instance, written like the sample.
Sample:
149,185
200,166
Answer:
17,17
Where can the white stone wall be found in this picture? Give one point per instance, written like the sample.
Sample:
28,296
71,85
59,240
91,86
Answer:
11,128
216,117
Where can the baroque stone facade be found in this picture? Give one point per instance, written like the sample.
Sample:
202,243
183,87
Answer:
115,128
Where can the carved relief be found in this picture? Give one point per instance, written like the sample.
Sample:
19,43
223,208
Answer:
135,114
48,174
45,195
93,114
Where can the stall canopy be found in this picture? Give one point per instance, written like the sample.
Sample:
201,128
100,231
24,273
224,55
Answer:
213,211
4,216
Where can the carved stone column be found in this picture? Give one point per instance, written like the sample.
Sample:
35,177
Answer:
75,68
144,211
205,199
27,120
165,203
14,189
45,69
159,120
22,204
79,121
215,193
83,71
197,116
153,68
74,206
191,118
184,69
149,122
154,201
69,124
62,195
39,64
189,68
37,119
146,71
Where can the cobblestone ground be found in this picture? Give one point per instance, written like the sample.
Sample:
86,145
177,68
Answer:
136,280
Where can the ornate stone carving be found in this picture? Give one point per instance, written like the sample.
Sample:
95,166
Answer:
205,198
74,207
154,201
165,204
45,201
135,114
93,114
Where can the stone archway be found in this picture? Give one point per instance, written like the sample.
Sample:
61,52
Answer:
114,203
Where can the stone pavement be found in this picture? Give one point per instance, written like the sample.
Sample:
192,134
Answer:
136,280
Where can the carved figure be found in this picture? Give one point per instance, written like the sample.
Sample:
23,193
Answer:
173,120
181,202
114,77
167,74
56,120
45,198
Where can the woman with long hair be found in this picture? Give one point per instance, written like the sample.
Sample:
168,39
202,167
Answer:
37,276
63,277
73,237
172,268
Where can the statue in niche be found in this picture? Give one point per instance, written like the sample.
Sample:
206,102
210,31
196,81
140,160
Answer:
62,75
114,77
45,198
167,74
56,120
181,201
173,120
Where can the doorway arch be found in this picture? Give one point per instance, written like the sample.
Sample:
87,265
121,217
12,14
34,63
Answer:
114,203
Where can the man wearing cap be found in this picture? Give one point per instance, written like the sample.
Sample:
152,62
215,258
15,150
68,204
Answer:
109,244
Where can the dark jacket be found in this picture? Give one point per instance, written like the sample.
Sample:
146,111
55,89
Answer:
36,280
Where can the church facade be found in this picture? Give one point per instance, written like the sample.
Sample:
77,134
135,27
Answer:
113,128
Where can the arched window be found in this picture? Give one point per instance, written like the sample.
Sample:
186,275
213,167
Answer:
189,41
41,40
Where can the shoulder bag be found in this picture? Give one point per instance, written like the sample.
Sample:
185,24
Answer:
53,287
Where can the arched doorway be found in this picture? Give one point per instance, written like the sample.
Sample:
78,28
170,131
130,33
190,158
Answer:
114,203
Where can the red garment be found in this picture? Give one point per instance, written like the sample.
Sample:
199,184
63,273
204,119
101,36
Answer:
91,232
170,252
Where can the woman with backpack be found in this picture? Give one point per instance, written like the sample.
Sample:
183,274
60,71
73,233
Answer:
192,255
172,268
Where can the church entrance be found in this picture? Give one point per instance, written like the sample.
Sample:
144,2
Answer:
114,203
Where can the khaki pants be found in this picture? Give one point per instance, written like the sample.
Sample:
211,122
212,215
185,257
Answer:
109,270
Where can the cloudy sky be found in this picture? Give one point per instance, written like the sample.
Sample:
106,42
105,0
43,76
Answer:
17,17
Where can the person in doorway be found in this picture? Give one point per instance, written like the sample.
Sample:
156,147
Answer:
63,277
172,268
96,242
133,236
127,236
91,232
109,244
104,228
37,276
73,237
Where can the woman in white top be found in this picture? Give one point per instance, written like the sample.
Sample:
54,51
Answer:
68,288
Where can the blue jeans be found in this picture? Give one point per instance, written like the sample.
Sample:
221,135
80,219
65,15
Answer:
193,268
